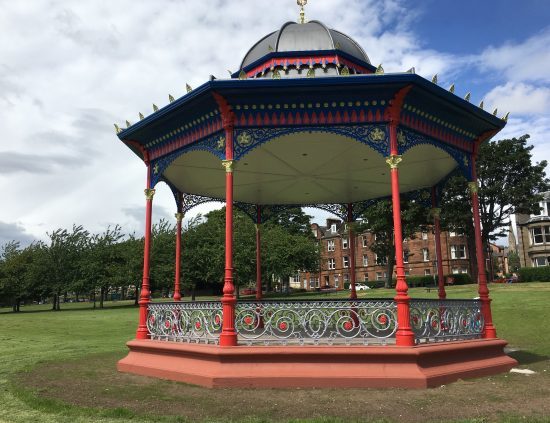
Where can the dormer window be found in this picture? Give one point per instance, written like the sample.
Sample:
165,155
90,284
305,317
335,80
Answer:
333,228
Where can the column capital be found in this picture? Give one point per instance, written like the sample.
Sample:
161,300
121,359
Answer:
228,165
394,160
149,193
473,187
179,216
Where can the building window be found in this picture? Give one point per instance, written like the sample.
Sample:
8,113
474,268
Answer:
457,270
344,243
405,256
346,278
331,264
407,273
458,251
327,280
365,260
540,235
427,272
336,281
295,278
540,261
366,277
330,245
315,234
365,243
425,254
345,259
380,260
380,276
333,228
452,234
424,235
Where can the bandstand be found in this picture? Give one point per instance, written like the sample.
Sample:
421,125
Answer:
307,120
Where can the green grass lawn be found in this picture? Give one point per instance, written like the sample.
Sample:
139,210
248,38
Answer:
36,336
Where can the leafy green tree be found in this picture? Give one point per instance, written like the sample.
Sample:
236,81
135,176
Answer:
509,183
284,253
60,261
163,247
513,261
378,220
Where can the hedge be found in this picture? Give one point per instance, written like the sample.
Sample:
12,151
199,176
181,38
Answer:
415,281
460,278
532,274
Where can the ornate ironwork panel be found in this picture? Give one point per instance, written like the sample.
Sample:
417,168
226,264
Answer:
199,321
326,322
374,135
407,139
446,320
214,144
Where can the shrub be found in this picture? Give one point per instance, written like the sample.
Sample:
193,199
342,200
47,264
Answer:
375,284
531,274
346,285
415,281
460,278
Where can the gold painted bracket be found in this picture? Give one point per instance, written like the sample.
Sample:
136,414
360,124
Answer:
393,161
149,193
228,165
473,187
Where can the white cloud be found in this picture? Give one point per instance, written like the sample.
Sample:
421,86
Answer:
520,98
526,61
70,69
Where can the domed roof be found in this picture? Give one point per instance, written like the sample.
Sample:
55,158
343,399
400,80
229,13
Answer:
311,36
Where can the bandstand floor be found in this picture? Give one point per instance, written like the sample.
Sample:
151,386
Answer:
307,366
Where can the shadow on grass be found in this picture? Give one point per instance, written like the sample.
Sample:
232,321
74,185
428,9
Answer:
526,357
68,309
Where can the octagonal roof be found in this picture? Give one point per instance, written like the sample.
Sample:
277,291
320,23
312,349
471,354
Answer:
311,36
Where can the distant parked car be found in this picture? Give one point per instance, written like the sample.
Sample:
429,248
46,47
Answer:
360,287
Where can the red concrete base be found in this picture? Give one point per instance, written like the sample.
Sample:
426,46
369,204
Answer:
420,366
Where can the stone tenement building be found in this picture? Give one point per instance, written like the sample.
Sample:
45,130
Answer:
530,236
419,255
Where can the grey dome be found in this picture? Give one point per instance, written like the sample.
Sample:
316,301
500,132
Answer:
309,36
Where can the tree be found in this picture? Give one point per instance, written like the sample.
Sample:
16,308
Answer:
378,220
513,261
60,261
509,183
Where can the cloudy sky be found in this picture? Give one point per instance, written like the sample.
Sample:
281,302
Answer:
70,69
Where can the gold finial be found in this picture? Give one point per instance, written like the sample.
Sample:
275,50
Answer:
188,88
141,117
434,79
481,105
379,70
117,128
155,108
242,75
311,73
170,98
467,97
505,118
344,71
302,3
128,124
452,88
276,74
495,112
412,70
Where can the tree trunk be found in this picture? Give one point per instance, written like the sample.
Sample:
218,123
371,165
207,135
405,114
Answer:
193,293
122,293
76,296
58,300
391,264
54,300
101,297
93,298
473,257
136,297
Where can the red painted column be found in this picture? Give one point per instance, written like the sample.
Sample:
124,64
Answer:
351,240
145,296
437,226
490,331
404,335
177,279
228,337
258,254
